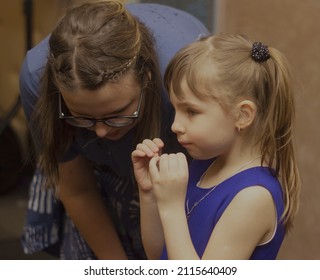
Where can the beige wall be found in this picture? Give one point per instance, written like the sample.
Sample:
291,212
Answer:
11,55
13,48
293,27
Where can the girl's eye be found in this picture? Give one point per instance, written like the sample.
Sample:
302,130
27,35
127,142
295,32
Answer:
191,112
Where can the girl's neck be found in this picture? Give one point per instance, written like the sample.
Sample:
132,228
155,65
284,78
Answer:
224,168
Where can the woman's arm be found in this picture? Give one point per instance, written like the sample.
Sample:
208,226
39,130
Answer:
81,198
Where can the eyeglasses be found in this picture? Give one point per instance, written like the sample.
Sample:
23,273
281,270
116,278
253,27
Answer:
114,121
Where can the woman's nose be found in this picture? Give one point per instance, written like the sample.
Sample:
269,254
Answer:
101,129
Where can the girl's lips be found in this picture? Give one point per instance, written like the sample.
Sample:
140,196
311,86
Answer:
184,144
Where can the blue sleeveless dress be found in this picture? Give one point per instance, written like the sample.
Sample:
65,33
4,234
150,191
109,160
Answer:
205,216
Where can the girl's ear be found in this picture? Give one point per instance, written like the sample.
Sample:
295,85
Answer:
246,113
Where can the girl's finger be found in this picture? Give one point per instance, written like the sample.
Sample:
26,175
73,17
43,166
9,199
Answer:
158,142
182,161
146,149
154,168
172,162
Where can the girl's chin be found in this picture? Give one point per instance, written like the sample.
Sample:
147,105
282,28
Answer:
198,156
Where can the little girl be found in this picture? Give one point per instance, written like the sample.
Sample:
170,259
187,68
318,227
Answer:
234,112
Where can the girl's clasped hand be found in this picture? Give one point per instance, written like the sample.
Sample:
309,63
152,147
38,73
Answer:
165,175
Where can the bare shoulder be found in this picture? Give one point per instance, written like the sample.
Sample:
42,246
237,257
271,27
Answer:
255,207
248,221
254,197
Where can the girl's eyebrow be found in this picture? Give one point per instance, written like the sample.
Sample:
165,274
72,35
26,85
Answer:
186,103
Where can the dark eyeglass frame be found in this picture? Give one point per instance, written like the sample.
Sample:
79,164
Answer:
93,121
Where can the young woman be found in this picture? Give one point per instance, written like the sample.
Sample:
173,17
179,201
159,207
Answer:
100,94
234,112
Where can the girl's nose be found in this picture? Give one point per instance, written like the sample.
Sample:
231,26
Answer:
177,126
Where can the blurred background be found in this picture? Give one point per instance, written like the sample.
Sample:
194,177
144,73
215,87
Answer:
289,25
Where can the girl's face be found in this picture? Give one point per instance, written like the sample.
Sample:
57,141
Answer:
202,126
114,99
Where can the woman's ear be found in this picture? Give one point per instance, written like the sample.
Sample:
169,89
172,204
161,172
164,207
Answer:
246,113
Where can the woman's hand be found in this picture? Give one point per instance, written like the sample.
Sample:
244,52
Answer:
141,157
169,177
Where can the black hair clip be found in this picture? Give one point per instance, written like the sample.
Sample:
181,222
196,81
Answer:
259,52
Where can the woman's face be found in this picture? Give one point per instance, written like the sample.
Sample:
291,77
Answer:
114,99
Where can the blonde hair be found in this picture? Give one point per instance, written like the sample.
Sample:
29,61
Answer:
221,66
94,44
